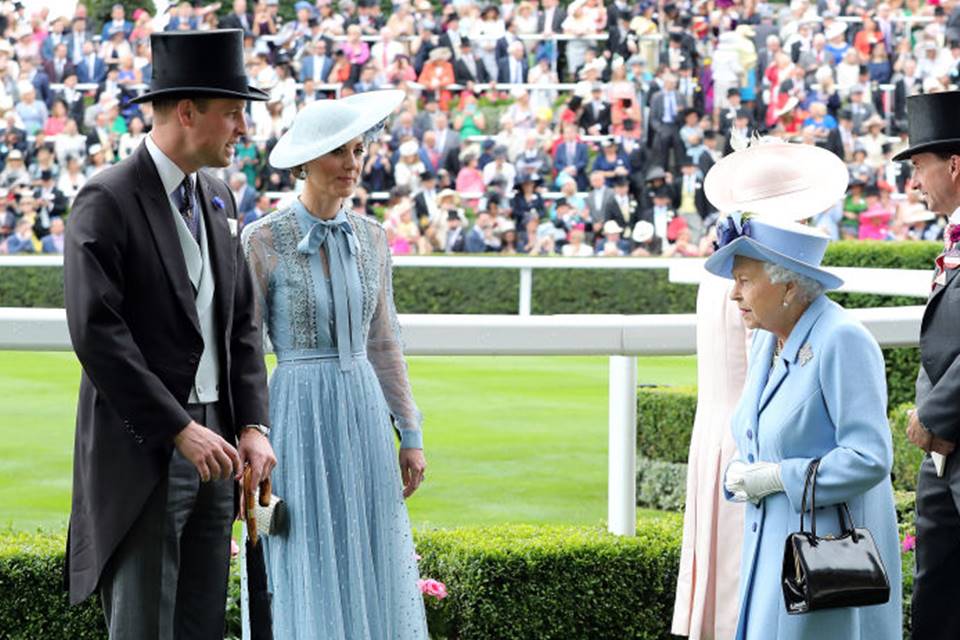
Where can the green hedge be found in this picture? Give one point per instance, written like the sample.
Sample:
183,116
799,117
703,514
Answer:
525,582
665,423
474,291
661,485
505,582
34,604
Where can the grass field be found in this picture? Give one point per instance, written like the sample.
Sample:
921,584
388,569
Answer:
507,439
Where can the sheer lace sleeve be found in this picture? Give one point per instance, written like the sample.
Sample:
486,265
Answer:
261,260
385,350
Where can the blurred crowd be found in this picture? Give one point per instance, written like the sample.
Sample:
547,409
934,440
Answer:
546,128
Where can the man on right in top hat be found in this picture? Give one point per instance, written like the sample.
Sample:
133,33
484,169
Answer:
160,307
934,426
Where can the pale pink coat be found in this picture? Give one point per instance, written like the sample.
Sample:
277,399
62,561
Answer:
706,603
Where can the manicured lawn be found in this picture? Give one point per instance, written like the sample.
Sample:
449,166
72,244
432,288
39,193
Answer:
507,439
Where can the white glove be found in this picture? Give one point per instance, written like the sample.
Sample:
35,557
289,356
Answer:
752,482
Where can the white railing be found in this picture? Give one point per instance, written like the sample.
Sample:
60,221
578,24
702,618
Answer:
899,282
621,338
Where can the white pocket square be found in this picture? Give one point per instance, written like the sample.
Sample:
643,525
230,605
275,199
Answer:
232,223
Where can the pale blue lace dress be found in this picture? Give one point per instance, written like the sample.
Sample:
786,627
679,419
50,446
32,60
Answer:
347,568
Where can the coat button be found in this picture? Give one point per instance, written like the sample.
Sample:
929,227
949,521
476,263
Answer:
754,527
750,458
749,434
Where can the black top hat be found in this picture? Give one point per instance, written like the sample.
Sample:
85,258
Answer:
933,123
199,63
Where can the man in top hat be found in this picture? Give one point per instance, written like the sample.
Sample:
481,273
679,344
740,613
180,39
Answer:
935,424
160,308
467,68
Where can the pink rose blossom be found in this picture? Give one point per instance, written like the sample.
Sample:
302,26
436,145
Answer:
416,556
909,543
431,587
234,548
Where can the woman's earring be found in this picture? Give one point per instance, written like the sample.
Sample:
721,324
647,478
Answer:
303,174
786,304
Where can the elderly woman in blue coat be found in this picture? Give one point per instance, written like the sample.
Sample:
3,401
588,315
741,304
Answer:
815,389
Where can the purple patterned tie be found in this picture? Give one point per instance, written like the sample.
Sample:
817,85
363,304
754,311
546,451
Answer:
188,208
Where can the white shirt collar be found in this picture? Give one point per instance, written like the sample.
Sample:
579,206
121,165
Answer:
170,174
955,216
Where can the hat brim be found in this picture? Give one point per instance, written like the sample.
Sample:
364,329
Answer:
372,108
252,93
826,177
721,262
927,147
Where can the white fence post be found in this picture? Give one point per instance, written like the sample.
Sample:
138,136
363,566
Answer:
622,456
526,290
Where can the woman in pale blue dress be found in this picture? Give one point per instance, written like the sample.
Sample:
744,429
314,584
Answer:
346,568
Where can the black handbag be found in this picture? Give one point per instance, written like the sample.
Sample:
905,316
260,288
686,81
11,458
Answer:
832,571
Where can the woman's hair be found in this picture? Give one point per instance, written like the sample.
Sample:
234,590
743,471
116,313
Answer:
807,288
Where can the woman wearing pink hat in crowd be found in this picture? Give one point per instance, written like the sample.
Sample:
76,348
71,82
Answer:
875,220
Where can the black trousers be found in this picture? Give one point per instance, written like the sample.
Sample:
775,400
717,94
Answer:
168,578
935,614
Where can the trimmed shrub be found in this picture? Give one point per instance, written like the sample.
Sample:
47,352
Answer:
882,255
538,583
902,365
467,291
34,603
664,422
505,582
661,485
907,457
587,291
31,287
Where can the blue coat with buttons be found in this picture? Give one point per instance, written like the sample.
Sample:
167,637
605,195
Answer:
824,397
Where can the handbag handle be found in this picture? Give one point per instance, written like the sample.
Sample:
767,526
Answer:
843,512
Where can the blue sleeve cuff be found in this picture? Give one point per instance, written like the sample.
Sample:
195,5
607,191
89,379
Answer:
411,438
793,475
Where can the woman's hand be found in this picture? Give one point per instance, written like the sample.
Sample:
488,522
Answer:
412,468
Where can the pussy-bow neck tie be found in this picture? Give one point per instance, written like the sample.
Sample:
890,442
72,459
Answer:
337,239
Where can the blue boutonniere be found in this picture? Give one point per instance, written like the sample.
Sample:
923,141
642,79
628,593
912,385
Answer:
217,202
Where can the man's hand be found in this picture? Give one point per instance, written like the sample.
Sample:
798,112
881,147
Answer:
918,435
412,467
214,457
255,450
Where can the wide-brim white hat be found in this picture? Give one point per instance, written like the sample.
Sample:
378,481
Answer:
642,231
325,125
777,180
835,29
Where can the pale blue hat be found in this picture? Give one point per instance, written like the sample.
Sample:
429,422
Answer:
791,245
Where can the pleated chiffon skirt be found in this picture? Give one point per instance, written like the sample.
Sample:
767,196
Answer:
346,568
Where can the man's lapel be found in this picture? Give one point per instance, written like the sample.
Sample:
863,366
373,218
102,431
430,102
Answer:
156,208
221,242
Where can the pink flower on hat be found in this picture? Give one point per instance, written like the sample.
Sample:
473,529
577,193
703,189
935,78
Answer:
431,587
